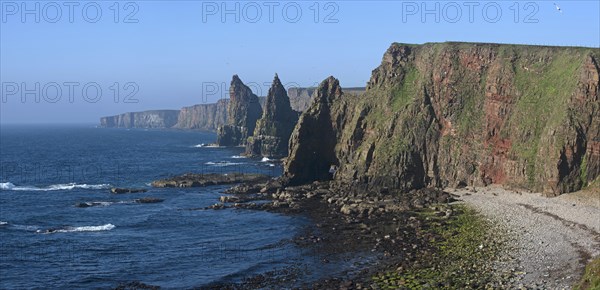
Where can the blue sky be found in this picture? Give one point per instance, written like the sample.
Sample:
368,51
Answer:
174,51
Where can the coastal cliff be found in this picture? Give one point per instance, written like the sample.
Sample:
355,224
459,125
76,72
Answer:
456,114
145,119
274,128
301,98
205,117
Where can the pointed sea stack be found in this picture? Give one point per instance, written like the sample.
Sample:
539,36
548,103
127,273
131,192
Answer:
312,144
273,130
243,111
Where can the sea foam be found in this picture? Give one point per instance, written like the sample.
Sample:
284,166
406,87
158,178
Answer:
223,163
106,227
53,187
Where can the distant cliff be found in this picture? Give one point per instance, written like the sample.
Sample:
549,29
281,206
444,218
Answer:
206,117
145,119
452,114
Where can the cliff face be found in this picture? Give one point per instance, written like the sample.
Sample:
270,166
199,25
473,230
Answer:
301,98
274,128
454,114
243,111
206,117
145,119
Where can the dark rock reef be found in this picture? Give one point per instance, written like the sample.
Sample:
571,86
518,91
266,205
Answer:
243,112
452,114
273,130
200,180
118,190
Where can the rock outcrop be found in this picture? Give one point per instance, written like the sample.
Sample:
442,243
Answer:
243,112
273,130
145,119
205,117
452,114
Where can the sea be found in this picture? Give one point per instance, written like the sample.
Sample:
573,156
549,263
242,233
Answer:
47,241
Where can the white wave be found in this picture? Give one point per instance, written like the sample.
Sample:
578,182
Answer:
6,186
24,227
53,187
265,159
99,203
3,223
223,163
238,157
202,145
106,227
271,165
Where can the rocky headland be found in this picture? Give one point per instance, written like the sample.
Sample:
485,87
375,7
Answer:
425,180
456,114
370,168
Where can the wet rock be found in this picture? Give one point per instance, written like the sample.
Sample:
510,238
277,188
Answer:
136,285
149,200
117,190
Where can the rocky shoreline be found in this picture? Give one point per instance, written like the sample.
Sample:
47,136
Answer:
391,231
381,238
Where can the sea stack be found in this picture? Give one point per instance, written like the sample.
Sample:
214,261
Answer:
243,111
312,144
273,130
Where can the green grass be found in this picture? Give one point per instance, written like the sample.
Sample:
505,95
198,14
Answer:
406,92
543,88
583,171
591,277
466,245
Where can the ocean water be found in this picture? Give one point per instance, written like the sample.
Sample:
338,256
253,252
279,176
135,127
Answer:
47,170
